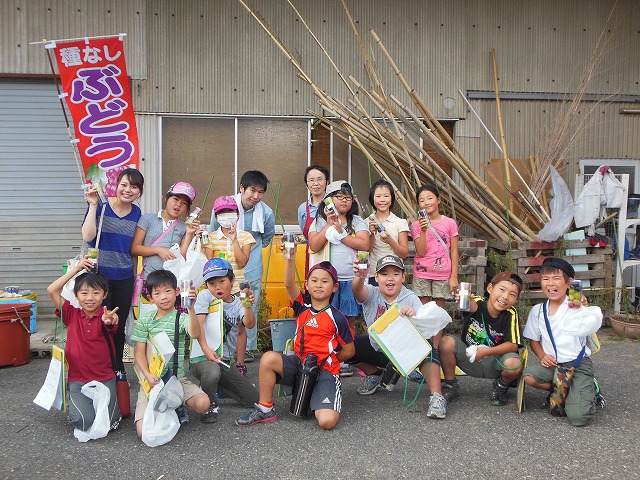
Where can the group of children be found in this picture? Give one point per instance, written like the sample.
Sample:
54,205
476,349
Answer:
335,292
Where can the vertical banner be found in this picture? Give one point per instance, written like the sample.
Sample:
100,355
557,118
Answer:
93,74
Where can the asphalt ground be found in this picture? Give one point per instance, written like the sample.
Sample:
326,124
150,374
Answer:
377,437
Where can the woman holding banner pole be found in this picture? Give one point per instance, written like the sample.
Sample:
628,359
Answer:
121,216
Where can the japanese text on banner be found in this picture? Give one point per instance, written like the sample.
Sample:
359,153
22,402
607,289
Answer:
93,74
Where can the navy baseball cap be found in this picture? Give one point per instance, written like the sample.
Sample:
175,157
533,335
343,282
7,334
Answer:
560,264
216,267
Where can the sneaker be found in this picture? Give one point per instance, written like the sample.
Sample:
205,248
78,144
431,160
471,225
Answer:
183,416
450,390
242,368
371,385
211,415
600,401
249,357
499,394
346,370
257,416
415,376
115,424
437,406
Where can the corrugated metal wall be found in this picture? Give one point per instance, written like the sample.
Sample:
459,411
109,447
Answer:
200,56
211,57
25,21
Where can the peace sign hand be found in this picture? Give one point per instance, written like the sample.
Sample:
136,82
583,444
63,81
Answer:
110,317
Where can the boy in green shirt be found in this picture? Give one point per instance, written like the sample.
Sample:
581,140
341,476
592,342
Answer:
163,289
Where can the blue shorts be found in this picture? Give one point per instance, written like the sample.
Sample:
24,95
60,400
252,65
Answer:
344,300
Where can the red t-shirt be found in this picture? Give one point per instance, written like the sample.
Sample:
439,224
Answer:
322,334
86,348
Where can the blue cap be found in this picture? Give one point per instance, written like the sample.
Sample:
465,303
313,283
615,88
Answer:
216,267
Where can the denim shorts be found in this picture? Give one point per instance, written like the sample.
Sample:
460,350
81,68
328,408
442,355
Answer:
344,300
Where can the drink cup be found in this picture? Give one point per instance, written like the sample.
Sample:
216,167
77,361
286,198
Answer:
575,293
244,298
193,216
362,260
289,245
102,196
464,299
379,225
330,205
205,235
93,254
185,287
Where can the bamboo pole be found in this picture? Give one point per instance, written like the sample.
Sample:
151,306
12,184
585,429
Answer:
503,141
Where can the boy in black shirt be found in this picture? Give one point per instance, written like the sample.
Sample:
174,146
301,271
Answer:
488,346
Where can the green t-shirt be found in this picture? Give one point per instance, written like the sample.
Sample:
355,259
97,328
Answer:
149,325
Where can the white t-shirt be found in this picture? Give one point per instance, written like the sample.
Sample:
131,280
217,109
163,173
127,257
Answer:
232,312
393,226
342,256
569,346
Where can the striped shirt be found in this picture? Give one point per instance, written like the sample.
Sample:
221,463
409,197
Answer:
219,243
149,325
114,261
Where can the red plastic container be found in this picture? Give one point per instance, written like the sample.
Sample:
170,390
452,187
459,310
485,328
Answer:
15,342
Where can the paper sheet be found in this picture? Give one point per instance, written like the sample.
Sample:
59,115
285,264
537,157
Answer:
51,393
400,340
213,328
405,343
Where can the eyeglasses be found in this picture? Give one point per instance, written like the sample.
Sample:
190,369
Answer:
343,198
312,181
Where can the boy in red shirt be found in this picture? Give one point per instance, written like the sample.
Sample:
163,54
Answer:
86,349
320,329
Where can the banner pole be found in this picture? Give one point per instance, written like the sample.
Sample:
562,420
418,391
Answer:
74,146
63,40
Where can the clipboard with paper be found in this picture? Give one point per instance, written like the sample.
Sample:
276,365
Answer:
53,392
160,349
213,331
400,340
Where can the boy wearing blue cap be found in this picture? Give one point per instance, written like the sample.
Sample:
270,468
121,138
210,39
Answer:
558,335
214,376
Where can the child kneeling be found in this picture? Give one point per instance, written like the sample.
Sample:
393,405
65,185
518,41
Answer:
321,330
87,350
558,334
163,289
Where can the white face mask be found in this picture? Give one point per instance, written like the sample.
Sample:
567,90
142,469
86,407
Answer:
227,220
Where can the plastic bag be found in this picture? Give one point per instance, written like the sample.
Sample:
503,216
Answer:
128,328
582,321
175,265
101,396
191,268
430,319
67,289
194,265
158,428
562,210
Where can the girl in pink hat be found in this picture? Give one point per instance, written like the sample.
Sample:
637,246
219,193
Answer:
157,232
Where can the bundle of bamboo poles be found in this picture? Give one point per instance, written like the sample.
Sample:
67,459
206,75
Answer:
388,133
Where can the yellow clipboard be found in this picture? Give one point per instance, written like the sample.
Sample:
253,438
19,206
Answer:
58,354
400,340
524,355
156,364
